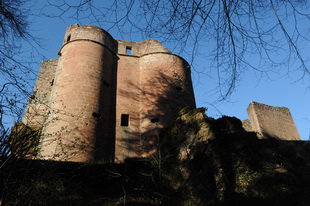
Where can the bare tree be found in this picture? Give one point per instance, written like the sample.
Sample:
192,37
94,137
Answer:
15,69
227,32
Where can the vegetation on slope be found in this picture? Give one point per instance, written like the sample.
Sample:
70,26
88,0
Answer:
202,161
216,162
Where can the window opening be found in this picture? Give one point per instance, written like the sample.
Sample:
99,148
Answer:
155,120
52,82
179,88
124,120
128,50
105,83
96,115
68,38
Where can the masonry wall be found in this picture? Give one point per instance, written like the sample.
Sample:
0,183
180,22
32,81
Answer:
38,103
153,86
78,101
128,103
109,97
269,121
166,89
105,132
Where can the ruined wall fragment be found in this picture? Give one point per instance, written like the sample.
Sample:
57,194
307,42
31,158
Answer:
269,121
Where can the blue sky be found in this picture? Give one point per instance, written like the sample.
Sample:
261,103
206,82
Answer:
276,89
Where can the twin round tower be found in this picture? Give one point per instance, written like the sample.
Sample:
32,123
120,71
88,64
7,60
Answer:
105,99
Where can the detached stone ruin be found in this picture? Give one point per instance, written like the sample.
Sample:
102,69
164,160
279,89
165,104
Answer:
268,121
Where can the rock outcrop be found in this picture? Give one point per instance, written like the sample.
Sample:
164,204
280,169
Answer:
201,161
210,161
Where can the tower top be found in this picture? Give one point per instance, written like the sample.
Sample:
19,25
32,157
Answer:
90,33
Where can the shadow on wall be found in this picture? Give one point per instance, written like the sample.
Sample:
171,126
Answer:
158,99
161,98
53,144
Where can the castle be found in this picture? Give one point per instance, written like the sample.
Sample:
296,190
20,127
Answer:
106,99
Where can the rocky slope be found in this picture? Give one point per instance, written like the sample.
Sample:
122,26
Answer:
201,161
216,162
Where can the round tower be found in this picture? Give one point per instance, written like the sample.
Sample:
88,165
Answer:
80,95
166,88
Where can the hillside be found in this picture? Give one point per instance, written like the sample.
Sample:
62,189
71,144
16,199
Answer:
201,161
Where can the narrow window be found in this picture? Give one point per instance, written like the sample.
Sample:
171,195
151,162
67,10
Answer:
96,115
68,38
105,83
125,120
179,88
128,50
155,120
52,82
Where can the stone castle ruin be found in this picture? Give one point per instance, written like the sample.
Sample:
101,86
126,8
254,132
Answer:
105,99
268,121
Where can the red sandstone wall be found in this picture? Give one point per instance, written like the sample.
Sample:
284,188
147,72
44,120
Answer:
38,105
96,82
153,85
128,101
166,88
105,132
90,33
141,48
77,100
151,46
